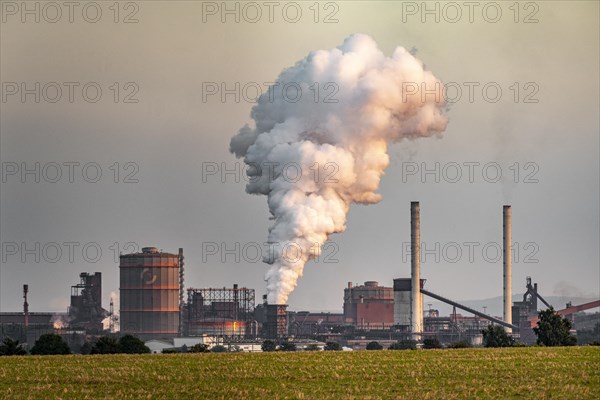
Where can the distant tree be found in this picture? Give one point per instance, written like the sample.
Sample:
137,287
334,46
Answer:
132,345
50,343
287,346
404,345
268,345
312,347
219,349
462,344
184,349
199,348
496,336
553,330
332,346
374,346
170,351
106,345
11,347
86,348
432,343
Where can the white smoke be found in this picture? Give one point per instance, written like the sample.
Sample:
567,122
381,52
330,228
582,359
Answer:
313,157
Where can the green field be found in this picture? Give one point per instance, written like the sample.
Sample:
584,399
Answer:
534,373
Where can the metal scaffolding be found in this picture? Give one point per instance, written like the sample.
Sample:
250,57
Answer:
220,311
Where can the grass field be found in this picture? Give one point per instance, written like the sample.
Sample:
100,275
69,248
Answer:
533,373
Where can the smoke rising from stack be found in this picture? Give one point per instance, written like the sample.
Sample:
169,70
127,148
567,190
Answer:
340,146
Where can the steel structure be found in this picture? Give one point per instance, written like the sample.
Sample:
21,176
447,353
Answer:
533,291
276,323
85,310
468,309
220,311
149,287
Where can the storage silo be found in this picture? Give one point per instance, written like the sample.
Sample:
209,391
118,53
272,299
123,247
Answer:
149,293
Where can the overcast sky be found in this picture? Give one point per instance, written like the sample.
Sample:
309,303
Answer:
163,130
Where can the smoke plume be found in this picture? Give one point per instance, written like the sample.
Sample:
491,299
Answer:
319,143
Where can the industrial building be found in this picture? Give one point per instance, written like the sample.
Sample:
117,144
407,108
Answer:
369,306
17,326
403,302
310,324
272,319
224,312
85,311
150,286
153,307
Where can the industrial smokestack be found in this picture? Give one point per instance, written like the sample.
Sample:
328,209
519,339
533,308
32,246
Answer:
507,253
181,291
25,306
416,314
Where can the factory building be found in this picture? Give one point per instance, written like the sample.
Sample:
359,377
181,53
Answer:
85,311
455,327
150,285
369,306
307,324
223,312
272,318
28,329
403,302
276,323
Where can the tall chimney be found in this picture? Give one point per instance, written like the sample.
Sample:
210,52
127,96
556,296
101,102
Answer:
416,317
25,306
507,270
181,291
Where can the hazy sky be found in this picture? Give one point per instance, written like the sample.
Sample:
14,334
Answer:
542,132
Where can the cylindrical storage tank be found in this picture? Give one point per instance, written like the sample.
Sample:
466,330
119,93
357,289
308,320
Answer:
149,294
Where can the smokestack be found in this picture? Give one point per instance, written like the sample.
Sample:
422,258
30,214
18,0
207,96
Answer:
25,305
416,317
181,291
236,304
507,252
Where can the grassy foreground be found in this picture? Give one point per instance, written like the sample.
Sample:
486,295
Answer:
534,373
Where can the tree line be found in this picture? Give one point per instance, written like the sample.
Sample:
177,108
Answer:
552,330
52,344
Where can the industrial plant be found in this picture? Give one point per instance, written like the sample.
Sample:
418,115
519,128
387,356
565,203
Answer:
156,306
